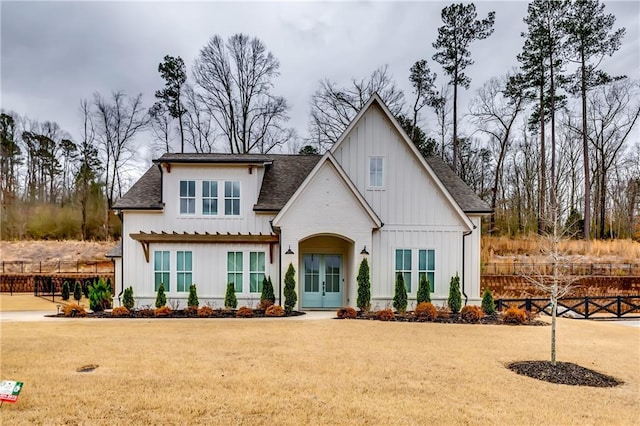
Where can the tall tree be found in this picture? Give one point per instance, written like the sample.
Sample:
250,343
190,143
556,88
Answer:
198,123
236,78
460,29
89,167
590,37
333,107
174,73
424,88
10,157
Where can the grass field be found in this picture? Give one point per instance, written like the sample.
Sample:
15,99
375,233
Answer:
28,302
291,371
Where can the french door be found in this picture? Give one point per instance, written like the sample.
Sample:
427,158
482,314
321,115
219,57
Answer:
321,281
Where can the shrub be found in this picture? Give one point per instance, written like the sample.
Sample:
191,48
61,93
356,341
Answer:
264,304
347,313
426,311
205,312
443,312
386,315
400,296
364,286
85,288
99,296
244,312
230,300
488,305
455,298
77,291
193,297
127,298
74,310
274,311
162,311
109,284
515,316
424,290
267,292
471,313
65,290
146,312
161,298
120,311
290,297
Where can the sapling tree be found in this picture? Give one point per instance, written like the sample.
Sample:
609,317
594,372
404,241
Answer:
267,290
230,300
77,292
161,298
127,298
424,290
65,290
290,296
400,296
364,286
192,301
488,305
455,297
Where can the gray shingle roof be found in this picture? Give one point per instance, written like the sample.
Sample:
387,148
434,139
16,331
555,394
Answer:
468,200
283,175
115,251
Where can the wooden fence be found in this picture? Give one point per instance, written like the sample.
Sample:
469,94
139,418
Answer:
575,269
579,307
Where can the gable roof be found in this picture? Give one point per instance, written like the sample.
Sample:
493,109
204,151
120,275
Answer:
282,178
145,194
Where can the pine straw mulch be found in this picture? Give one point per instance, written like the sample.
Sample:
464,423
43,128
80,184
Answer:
563,373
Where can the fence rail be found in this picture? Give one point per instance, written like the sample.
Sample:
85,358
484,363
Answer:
580,307
57,267
575,269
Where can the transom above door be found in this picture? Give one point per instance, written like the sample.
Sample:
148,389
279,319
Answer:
321,281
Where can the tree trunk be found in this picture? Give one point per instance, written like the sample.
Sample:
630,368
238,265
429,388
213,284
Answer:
585,149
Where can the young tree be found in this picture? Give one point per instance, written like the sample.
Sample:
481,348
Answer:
455,297
267,290
590,37
236,78
65,290
400,295
290,296
77,292
174,73
192,301
127,298
161,297
364,286
488,305
424,290
460,29
230,299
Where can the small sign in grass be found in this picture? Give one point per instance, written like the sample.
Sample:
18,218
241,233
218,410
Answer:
9,390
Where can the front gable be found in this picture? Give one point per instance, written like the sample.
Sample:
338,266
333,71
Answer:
410,192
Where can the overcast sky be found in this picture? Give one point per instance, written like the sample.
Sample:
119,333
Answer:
55,53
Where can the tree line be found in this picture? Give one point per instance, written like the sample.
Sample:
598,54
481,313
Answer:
556,135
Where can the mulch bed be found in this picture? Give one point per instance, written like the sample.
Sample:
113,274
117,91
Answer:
564,373
495,319
179,313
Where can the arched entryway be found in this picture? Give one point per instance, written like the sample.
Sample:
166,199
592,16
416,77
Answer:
324,265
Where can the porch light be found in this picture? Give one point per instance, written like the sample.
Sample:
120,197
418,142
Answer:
364,251
289,251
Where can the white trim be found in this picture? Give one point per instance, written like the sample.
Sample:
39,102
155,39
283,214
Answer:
382,185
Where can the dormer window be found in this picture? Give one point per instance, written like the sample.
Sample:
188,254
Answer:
187,197
376,172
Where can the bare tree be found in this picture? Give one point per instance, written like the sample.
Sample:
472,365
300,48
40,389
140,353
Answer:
333,107
442,108
199,131
236,78
161,126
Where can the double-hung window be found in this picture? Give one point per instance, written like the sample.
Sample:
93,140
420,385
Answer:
376,174
209,197
403,266
256,271
232,198
427,267
161,269
187,197
234,269
184,268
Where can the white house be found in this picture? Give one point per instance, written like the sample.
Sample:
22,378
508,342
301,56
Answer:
211,219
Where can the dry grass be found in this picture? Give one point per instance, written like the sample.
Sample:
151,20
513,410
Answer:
54,250
288,371
28,302
528,249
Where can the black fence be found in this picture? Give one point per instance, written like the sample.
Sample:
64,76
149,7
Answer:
580,307
57,267
51,287
576,269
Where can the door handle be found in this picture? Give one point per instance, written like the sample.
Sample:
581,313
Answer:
323,288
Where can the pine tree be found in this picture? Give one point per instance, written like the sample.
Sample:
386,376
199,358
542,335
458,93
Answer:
127,298
161,298
290,297
488,305
455,297
400,296
364,286
77,292
267,290
230,300
65,290
424,290
192,301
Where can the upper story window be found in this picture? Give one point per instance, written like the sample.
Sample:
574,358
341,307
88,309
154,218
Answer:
232,198
209,197
376,172
187,197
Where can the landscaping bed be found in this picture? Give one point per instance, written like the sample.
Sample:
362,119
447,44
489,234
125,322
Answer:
564,373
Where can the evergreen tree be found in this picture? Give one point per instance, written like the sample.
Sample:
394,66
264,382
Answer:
290,296
174,74
230,300
127,298
488,305
424,290
192,301
65,290
77,292
267,290
161,298
460,29
400,296
455,297
99,296
364,286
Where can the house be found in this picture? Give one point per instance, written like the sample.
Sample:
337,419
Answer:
213,219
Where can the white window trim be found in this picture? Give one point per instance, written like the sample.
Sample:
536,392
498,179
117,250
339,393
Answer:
415,267
370,187
224,198
198,213
195,198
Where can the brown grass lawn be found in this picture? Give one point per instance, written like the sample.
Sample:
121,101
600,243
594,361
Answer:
28,302
291,371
